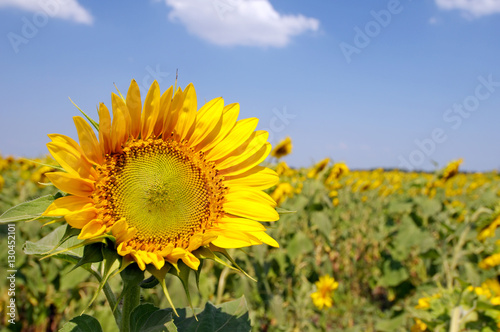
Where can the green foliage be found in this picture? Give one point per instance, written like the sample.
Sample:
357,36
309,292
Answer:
402,246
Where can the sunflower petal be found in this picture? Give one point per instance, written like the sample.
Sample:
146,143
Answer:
242,130
88,140
67,204
134,107
187,113
104,128
150,112
71,184
207,119
258,177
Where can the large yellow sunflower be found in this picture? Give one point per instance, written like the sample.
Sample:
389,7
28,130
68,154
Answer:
165,179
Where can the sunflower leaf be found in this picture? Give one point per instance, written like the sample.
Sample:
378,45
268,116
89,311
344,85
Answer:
83,323
27,211
91,254
148,318
229,316
51,241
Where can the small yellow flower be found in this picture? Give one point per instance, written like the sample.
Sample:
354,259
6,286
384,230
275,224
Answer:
489,231
282,192
419,326
313,172
490,261
282,149
324,292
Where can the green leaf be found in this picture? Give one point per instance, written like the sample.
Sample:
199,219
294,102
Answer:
83,323
394,273
148,318
52,241
323,222
28,210
91,254
299,245
230,316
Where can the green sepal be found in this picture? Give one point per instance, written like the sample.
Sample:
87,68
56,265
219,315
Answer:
28,211
92,122
91,254
205,253
149,282
229,258
183,275
110,262
197,274
160,276
283,211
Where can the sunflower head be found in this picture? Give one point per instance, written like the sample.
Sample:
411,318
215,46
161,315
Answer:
165,180
283,148
323,297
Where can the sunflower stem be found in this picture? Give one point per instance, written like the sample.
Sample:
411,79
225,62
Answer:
131,277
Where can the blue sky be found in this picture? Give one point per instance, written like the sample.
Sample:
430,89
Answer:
373,83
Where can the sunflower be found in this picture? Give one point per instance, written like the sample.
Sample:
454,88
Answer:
164,179
324,292
283,148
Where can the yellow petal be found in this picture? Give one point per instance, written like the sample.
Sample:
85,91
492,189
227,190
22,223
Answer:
139,259
246,150
71,184
150,112
254,210
134,106
67,204
229,117
188,258
265,238
71,160
119,126
240,224
249,194
171,119
234,239
257,177
79,219
88,140
187,113
104,128
236,137
207,119
164,112
248,163
92,229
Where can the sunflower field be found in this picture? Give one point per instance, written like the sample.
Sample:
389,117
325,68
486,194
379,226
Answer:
377,250
172,219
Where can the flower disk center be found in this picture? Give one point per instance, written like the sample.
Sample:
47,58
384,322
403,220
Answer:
161,190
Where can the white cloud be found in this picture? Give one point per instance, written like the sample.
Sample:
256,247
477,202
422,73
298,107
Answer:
239,22
471,8
65,9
